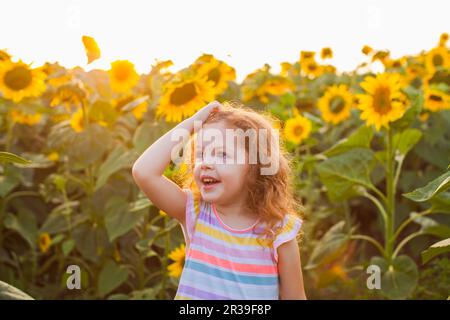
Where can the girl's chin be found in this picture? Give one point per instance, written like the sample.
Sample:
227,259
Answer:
209,192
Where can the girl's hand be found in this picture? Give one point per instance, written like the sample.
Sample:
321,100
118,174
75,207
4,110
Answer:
204,112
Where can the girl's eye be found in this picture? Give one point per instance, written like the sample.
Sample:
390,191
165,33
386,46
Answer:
222,154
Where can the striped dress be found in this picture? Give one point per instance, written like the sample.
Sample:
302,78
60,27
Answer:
223,263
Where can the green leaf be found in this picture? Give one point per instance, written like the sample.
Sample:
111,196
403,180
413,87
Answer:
67,246
134,103
103,111
146,134
8,292
9,157
398,278
441,203
431,226
85,237
88,147
111,277
342,172
118,219
59,221
25,224
139,205
436,249
360,138
10,181
406,140
434,187
330,246
118,159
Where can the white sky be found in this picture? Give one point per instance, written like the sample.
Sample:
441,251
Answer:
244,33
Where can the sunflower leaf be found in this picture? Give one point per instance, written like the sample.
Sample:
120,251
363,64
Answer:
360,138
406,140
342,172
433,188
440,247
111,277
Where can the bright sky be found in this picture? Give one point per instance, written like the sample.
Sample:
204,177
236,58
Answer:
244,33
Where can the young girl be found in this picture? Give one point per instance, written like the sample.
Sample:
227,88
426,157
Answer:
240,226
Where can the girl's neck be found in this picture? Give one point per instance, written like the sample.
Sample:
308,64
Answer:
234,211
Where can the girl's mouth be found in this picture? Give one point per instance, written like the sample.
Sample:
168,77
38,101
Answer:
209,183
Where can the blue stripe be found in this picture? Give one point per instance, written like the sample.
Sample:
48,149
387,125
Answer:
231,289
257,280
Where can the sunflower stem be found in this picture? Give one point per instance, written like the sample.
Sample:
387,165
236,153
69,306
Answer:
390,189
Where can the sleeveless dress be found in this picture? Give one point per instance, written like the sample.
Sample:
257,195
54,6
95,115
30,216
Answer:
223,263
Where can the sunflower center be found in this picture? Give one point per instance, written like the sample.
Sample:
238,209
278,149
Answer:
122,73
438,60
18,78
298,130
337,104
214,75
183,94
382,100
435,98
312,67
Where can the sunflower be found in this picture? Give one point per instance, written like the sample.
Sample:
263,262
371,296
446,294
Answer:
286,68
381,56
297,129
275,86
184,95
383,101
53,156
436,100
44,242
68,95
178,255
18,80
91,48
138,109
24,118
77,121
122,76
335,104
4,56
366,50
326,53
437,58
443,39
328,68
311,67
216,71
307,55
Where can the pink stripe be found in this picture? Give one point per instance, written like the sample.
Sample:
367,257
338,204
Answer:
243,267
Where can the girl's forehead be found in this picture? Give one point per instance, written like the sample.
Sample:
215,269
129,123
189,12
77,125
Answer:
218,134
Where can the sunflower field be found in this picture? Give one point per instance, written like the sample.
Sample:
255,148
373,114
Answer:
371,156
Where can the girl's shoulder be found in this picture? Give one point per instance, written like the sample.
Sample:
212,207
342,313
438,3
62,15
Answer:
288,229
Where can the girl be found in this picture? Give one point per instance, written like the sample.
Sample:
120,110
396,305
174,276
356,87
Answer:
240,226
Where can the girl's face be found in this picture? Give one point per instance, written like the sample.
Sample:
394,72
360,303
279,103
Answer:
219,172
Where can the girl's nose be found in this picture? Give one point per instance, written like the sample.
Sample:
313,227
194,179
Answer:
207,162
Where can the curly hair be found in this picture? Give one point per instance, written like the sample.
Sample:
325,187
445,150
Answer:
272,196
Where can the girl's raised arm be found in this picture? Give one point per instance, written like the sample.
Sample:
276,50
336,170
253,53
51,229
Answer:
149,168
